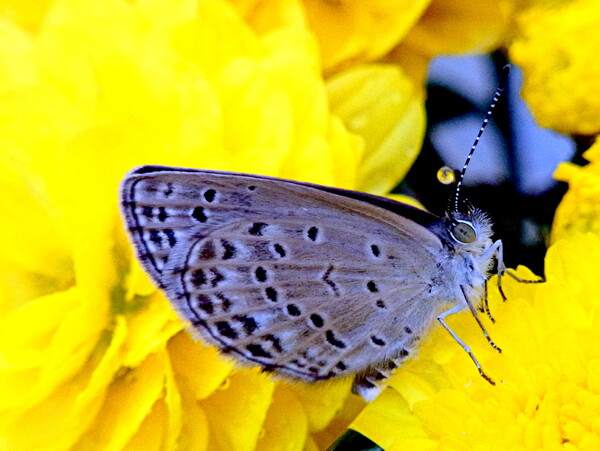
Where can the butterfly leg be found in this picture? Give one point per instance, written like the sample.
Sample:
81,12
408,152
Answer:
486,306
481,326
440,318
497,251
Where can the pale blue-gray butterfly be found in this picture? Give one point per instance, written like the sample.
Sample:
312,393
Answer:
309,282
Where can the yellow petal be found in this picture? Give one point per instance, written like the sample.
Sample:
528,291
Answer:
459,26
129,400
286,425
391,413
28,15
150,328
380,104
68,406
236,412
356,31
199,367
321,401
579,210
25,335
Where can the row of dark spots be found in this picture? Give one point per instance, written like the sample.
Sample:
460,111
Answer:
315,370
148,212
206,304
315,319
156,237
230,251
198,277
298,363
258,229
293,310
248,323
257,349
208,251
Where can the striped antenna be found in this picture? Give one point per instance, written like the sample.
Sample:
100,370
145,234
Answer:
497,94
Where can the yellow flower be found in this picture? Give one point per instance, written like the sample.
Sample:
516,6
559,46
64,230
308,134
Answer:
92,355
409,33
454,27
579,211
548,375
561,67
348,31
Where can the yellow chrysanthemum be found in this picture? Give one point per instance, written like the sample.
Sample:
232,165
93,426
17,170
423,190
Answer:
409,33
92,355
348,31
579,210
452,27
548,380
557,50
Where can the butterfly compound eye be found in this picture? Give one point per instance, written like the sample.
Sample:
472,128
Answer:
463,232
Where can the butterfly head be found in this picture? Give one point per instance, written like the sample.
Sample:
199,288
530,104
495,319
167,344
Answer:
470,230
466,228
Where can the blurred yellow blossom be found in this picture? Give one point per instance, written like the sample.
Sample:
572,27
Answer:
557,49
408,33
579,210
454,27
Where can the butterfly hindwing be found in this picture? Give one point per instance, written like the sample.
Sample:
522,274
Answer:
301,281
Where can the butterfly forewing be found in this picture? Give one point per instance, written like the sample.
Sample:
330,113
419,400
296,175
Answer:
302,281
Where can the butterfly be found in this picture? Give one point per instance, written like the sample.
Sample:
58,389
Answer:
307,281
